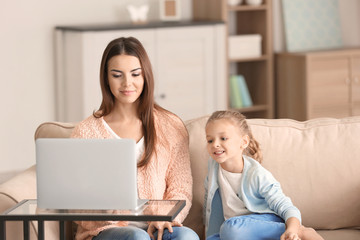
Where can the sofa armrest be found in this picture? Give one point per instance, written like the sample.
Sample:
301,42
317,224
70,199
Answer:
22,186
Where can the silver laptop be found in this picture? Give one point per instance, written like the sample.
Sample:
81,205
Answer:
86,174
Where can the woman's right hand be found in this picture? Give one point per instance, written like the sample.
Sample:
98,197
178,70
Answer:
160,227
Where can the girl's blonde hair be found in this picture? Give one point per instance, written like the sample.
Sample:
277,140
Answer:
253,149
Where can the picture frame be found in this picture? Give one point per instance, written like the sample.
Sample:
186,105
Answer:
170,10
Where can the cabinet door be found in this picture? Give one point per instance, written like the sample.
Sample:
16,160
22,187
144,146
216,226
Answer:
355,86
328,87
185,71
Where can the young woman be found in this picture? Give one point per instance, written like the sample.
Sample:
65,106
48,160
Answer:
128,110
242,199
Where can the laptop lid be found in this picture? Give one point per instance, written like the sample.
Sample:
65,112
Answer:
86,173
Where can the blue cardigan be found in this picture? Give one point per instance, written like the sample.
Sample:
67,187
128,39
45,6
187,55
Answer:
260,192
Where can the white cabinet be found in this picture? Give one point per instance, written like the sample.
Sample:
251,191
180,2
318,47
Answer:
188,61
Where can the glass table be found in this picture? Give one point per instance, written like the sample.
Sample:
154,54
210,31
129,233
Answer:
27,210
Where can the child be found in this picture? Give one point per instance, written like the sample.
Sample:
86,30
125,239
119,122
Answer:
242,199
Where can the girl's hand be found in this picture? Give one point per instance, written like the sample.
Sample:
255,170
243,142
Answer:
287,235
160,227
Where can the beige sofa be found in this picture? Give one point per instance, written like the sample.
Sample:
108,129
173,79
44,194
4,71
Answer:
317,163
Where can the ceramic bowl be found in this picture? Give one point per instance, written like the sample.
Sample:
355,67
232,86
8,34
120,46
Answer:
234,2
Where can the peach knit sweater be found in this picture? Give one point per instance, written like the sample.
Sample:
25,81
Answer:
167,176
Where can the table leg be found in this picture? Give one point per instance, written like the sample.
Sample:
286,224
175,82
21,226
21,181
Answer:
26,230
62,230
3,229
40,230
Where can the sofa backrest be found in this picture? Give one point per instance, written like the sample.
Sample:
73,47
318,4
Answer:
317,163
54,130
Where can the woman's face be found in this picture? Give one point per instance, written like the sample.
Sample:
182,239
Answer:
125,77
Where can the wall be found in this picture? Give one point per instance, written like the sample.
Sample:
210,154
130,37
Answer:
27,65
27,61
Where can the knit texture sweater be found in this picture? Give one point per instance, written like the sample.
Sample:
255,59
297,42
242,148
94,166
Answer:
167,175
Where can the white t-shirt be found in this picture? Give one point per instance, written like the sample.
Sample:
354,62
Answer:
140,147
229,185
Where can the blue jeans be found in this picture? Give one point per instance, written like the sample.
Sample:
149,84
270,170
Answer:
253,226
132,233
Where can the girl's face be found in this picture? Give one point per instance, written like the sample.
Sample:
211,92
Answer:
125,78
225,142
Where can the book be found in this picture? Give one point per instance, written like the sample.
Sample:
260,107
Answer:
244,92
235,97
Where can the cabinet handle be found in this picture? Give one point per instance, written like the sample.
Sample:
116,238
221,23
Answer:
356,80
347,80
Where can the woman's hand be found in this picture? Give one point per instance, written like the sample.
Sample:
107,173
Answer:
160,227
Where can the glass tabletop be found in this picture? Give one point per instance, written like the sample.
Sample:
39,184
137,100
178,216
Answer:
153,210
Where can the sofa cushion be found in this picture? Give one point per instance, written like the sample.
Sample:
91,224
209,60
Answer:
199,159
317,162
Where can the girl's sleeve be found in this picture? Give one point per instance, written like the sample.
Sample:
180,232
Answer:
270,189
179,179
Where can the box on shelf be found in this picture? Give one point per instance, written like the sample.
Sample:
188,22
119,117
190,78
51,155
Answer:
243,46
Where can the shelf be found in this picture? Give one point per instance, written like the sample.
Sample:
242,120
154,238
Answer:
246,8
252,59
254,108
131,26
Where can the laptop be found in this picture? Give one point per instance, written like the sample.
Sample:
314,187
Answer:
86,174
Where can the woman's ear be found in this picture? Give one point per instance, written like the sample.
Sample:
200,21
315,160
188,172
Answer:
245,141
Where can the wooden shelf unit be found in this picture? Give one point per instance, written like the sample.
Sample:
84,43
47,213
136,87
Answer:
258,71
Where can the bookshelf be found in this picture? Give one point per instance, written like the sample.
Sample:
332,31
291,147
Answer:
258,71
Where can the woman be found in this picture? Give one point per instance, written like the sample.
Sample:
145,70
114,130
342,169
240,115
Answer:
128,110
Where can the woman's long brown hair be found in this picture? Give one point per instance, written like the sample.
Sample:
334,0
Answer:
131,46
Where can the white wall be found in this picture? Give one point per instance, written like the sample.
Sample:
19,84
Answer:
27,64
27,61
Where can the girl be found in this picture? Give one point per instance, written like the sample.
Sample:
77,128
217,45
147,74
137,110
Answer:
128,111
242,199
